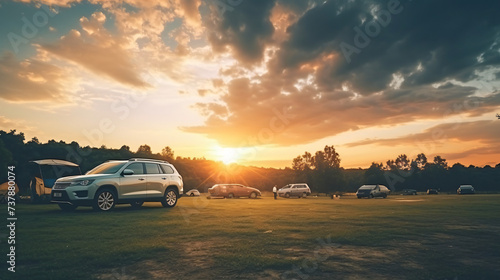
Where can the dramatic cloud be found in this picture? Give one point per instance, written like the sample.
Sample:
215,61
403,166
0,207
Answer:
63,3
408,61
244,30
424,42
31,80
278,72
311,115
97,51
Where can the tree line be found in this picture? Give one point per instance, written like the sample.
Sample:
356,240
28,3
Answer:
198,173
321,170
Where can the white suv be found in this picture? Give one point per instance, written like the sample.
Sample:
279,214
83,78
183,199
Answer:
299,190
131,181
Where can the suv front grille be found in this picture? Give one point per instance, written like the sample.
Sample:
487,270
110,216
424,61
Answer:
61,186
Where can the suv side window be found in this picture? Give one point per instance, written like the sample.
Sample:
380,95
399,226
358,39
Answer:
137,167
152,168
167,169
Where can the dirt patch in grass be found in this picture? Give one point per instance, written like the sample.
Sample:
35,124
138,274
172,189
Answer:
195,261
199,254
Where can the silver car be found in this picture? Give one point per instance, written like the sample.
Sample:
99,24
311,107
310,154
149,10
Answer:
371,191
193,192
114,182
298,190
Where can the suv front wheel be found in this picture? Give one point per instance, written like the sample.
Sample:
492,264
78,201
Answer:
105,200
170,198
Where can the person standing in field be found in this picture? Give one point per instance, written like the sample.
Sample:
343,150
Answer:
275,191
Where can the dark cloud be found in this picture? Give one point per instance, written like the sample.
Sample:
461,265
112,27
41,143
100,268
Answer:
445,38
407,71
245,29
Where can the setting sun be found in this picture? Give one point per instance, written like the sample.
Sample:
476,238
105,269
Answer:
227,155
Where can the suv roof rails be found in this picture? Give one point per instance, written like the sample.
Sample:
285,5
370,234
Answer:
149,159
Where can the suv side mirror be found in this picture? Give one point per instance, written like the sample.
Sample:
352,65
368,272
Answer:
128,172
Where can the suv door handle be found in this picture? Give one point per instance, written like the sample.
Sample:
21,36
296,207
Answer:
141,179
164,178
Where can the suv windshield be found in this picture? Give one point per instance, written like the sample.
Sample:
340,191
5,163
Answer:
107,168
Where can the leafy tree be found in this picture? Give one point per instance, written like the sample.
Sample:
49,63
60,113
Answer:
318,161
322,171
332,158
303,162
390,165
167,152
125,148
421,161
402,162
144,150
5,160
440,162
375,174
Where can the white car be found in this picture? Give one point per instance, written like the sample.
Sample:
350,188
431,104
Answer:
193,192
298,190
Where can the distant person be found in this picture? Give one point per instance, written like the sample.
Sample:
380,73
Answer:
275,192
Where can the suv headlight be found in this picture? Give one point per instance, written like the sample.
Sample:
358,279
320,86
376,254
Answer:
82,183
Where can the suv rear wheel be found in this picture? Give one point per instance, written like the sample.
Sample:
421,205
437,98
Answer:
170,198
104,200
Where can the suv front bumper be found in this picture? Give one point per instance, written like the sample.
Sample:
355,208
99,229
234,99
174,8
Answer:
73,196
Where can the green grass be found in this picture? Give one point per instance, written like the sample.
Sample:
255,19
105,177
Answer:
401,237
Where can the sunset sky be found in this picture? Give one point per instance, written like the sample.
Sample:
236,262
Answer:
257,81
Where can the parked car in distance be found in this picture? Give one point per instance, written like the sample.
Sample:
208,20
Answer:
432,191
193,192
371,191
466,189
114,182
233,190
298,190
409,192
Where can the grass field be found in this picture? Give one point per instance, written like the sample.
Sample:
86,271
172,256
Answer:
401,237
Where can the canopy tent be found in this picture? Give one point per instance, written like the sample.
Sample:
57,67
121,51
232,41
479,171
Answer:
41,185
54,162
